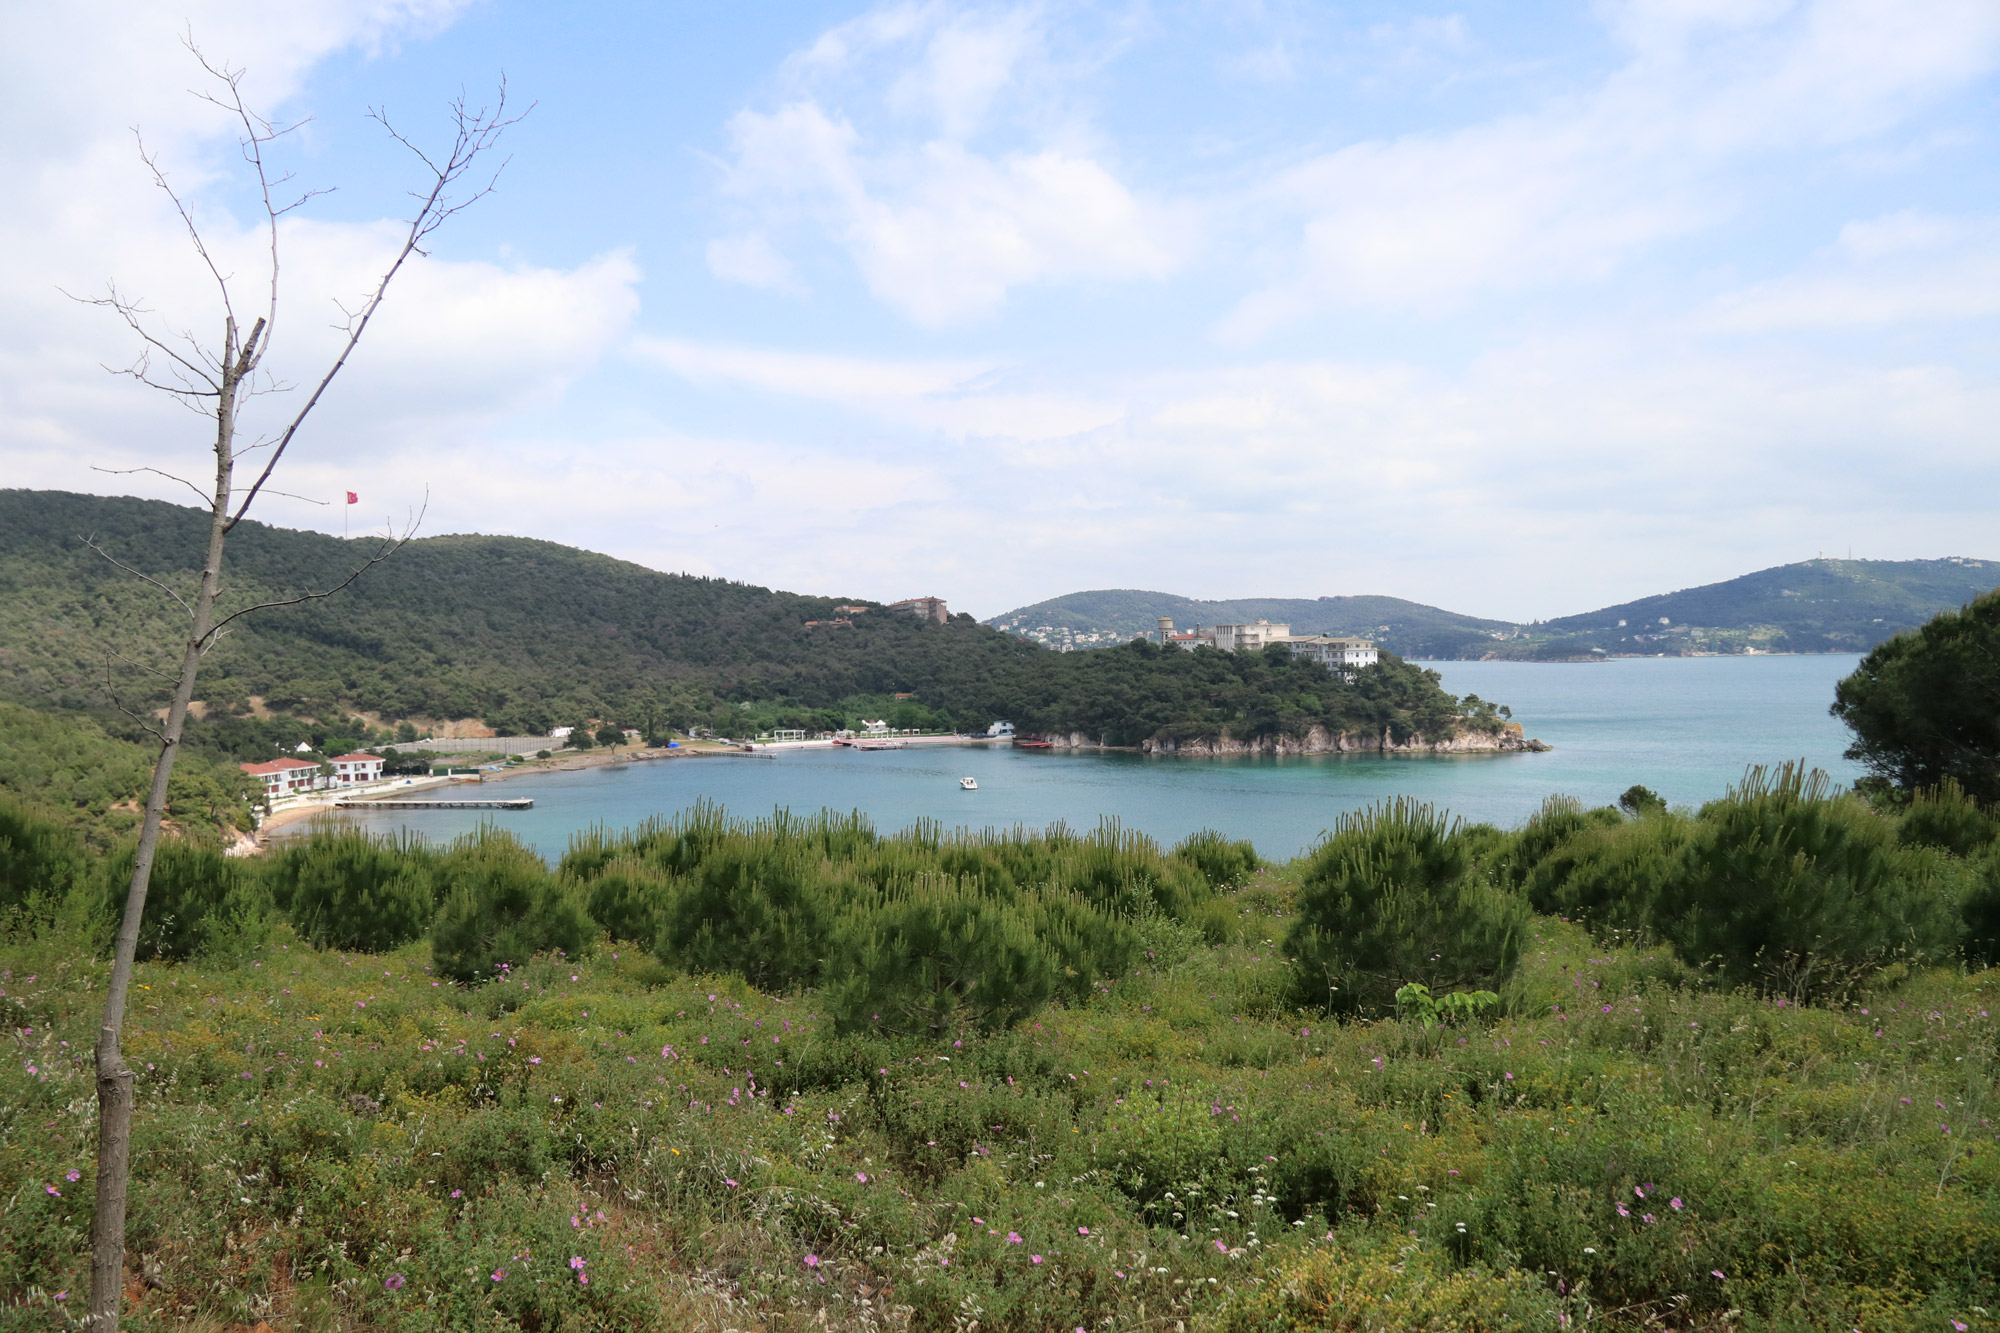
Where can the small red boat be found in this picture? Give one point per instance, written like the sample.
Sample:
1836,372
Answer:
1031,743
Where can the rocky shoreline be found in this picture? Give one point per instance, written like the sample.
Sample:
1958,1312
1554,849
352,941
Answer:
1317,741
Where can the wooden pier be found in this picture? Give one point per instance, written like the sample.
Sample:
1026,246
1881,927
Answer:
511,803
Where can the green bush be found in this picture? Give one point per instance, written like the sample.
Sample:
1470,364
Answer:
1640,801
346,889
38,857
501,907
1223,862
1559,819
933,957
195,898
1979,911
627,898
1391,898
1793,887
1944,816
759,909
1610,878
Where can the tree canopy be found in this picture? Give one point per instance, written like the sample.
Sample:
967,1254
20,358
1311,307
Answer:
1925,706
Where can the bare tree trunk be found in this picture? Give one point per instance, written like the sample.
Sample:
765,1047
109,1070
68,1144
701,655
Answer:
114,1078
221,382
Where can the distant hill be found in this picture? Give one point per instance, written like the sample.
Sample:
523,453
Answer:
527,634
1113,615
1815,606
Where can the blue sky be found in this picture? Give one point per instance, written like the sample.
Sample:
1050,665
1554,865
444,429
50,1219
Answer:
1513,308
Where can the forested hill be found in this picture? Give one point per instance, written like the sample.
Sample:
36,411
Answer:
1112,615
527,634
1814,606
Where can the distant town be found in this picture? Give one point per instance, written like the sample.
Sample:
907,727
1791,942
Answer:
1343,655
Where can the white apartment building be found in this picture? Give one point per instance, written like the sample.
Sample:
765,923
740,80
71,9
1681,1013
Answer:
1343,655
351,770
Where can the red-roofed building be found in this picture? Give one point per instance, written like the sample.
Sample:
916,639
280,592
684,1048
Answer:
353,769
284,777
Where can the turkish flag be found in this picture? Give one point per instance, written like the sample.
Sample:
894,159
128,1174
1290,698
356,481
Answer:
353,499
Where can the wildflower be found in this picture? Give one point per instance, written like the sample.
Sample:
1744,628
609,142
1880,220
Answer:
1649,1219
1674,1204
861,1177
393,1282
1221,1248
534,1059
576,1261
456,1193
499,1273
1623,1211
812,1261
53,1190
62,1295
73,1175
727,1181
1034,1258
1717,1274
1013,1238
575,1222
1083,1231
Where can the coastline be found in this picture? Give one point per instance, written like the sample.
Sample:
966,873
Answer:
563,762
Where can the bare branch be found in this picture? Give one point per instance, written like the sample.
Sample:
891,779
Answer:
128,471
91,542
111,692
141,666
390,545
475,133
130,311
187,220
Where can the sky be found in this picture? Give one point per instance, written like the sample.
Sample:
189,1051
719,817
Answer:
1518,309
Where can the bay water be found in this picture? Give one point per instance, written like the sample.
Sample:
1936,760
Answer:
1686,727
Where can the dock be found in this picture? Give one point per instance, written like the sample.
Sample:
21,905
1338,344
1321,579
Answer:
511,803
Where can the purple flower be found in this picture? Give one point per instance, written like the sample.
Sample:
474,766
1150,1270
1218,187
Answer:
1674,1204
1717,1273
1034,1258
861,1176
1013,1238
393,1282
499,1273
1083,1231
72,1174
812,1261
576,1261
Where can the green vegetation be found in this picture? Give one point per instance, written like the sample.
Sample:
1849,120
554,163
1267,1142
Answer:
1925,707
527,635
1815,606
1608,1133
68,768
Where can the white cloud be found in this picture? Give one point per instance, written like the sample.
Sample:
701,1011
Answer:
1904,268
459,343
1567,193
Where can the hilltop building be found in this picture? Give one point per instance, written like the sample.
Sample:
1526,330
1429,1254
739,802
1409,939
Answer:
284,777
1249,638
1345,656
929,608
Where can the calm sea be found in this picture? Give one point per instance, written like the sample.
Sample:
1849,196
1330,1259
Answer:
1686,727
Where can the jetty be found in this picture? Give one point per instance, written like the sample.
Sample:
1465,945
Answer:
511,803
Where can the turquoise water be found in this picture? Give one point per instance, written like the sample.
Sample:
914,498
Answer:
1686,727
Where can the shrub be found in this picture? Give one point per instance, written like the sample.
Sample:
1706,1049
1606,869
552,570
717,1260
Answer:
935,956
626,899
1610,878
1944,816
1559,819
1640,801
195,896
1979,913
1389,899
1224,863
759,910
346,889
501,908
1794,888
38,857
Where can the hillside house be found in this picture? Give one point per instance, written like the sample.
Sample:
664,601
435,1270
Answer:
285,777
351,770
929,608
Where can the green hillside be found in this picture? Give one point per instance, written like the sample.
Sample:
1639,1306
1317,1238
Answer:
527,634
1113,615
1815,606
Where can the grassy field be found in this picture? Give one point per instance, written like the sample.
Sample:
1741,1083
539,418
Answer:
332,1140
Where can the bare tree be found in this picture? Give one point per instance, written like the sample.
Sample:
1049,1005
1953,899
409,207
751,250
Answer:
216,381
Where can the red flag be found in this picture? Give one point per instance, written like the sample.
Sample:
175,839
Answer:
353,499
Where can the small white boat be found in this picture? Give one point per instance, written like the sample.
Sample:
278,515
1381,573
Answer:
969,784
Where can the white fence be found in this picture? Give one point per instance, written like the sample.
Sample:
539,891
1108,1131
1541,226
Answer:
483,745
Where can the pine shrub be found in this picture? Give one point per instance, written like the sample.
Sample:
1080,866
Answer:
501,907
195,897
761,910
627,898
39,858
1796,888
347,889
1610,878
1391,898
1944,816
934,957
1225,863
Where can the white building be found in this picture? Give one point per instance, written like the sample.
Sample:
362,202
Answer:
560,733
351,770
285,777
1345,656
1001,731
1248,638
879,727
